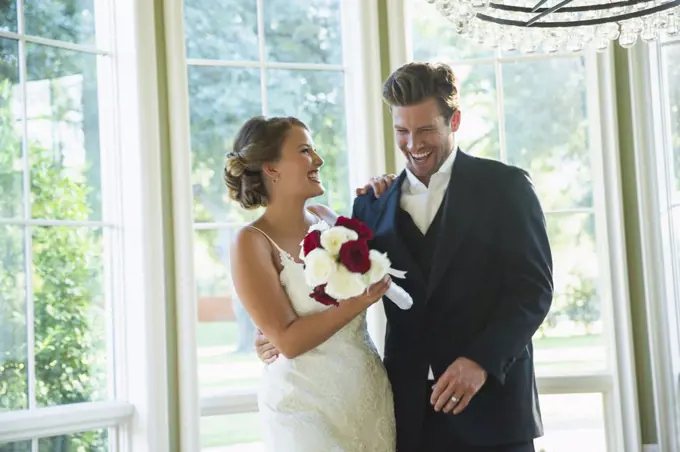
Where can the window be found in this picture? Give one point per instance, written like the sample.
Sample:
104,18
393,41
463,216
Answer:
56,233
300,73
660,218
537,112
92,440
670,61
66,226
669,161
572,422
272,58
513,112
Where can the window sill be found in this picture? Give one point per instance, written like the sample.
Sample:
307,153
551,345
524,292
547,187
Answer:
62,420
229,402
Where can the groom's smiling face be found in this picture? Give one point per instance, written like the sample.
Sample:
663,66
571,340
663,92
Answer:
424,136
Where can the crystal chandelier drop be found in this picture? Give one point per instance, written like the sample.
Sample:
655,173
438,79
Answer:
529,26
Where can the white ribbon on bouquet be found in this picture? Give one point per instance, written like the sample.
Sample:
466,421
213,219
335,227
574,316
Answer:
396,294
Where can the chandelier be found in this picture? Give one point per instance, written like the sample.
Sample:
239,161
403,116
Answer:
529,26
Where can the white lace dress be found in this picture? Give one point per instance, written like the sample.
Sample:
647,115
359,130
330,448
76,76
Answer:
334,398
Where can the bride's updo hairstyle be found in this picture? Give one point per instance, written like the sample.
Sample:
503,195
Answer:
258,142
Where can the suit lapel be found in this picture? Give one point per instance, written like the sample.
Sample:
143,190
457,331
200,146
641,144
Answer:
386,226
458,215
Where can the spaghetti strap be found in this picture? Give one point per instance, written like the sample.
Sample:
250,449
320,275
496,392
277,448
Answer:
283,254
281,250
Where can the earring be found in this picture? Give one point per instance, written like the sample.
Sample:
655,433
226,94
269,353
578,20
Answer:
276,179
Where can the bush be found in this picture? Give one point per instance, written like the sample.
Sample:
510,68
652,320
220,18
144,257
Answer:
69,358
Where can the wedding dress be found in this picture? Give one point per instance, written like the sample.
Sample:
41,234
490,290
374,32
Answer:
333,398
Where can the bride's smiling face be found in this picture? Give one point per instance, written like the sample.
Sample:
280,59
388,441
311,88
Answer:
296,173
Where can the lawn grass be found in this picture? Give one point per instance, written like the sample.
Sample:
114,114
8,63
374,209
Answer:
579,341
229,429
216,334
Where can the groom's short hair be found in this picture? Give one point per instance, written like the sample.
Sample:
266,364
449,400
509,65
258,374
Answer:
414,83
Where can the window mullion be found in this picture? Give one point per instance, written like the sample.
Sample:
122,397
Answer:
500,111
263,57
21,28
663,305
28,239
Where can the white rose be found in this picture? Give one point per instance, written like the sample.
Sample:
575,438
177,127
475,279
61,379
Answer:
343,284
332,239
380,264
319,265
320,226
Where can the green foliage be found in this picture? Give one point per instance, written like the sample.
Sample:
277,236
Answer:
63,20
66,273
550,322
69,349
546,132
69,363
582,305
13,362
8,15
222,99
544,115
672,55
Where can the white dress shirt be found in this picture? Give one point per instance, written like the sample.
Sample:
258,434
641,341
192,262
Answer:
422,202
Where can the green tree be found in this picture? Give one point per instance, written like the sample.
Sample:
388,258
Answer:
69,358
545,132
13,360
672,56
8,15
582,305
222,99
70,21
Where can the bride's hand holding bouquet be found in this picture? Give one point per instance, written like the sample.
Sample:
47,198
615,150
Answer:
339,266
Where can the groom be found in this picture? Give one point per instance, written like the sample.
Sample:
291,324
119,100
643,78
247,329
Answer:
471,235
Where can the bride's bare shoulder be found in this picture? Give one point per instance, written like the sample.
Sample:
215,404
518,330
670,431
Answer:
324,212
250,239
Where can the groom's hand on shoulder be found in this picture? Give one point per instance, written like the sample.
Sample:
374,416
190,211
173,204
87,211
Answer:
265,349
379,184
457,386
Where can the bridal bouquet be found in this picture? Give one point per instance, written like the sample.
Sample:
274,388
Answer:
339,265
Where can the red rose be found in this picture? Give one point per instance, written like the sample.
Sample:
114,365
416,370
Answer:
320,295
356,226
311,242
354,256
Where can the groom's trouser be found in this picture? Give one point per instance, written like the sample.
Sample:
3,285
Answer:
437,435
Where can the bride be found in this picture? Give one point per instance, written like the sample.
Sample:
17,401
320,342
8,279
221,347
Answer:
329,390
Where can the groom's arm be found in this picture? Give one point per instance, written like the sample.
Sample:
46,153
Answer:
527,281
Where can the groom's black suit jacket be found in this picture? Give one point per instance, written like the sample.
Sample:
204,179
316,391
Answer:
489,288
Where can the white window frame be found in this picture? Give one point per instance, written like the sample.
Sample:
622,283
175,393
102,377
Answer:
130,147
654,159
361,65
618,384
